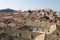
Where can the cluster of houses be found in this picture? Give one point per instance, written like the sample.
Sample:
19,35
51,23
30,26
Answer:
43,24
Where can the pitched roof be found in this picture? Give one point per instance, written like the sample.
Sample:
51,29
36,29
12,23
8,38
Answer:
12,25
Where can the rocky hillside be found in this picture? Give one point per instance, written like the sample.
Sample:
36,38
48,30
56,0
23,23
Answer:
14,23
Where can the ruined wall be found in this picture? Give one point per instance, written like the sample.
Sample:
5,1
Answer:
52,28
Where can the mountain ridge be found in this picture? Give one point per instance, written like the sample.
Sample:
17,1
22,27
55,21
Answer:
7,10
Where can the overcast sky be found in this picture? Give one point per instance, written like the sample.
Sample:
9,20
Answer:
30,4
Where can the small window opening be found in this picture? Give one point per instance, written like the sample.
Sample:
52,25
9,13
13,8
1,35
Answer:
31,36
48,31
20,34
37,29
57,34
55,21
51,21
10,38
42,29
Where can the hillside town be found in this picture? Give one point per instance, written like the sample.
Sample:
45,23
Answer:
41,24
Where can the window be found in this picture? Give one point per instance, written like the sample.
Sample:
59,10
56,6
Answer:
20,34
57,34
1,28
10,38
55,21
37,29
31,36
42,30
51,20
48,31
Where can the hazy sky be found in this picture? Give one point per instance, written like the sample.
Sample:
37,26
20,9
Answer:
30,4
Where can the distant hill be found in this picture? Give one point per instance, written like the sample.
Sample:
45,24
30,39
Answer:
58,11
7,10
